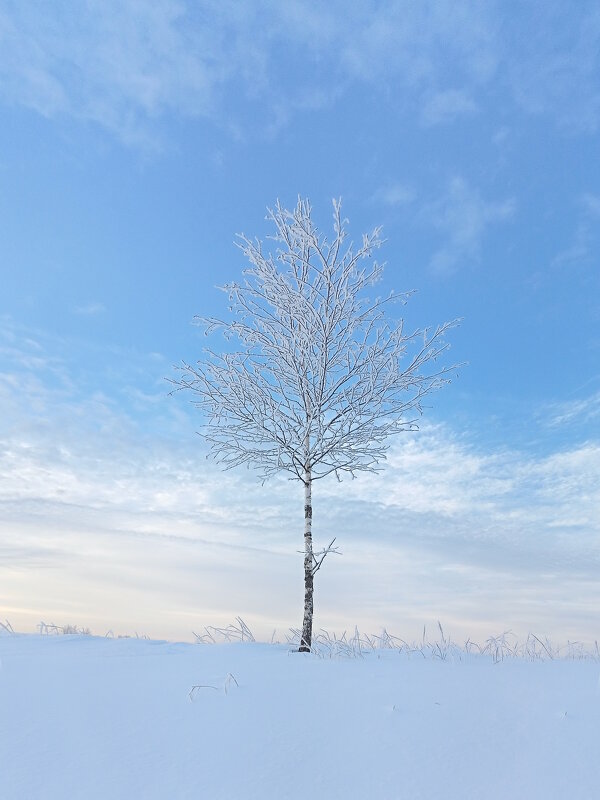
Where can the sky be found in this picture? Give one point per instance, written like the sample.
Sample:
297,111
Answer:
136,140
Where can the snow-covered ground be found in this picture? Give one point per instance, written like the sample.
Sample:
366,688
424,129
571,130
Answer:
84,717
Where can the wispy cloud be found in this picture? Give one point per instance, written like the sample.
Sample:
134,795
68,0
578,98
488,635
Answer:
445,106
591,204
553,63
462,217
395,194
127,66
585,236
462,495
580,411
413,43
90,309
120,65
579,249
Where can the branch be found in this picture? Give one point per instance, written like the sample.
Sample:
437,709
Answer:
320,555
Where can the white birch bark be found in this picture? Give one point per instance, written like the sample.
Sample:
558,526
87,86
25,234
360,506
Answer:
307,621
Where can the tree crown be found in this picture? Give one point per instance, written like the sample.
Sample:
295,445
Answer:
320,376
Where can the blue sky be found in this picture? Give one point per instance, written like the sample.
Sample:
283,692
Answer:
136,140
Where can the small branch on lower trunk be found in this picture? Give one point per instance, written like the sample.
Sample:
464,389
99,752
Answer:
320,555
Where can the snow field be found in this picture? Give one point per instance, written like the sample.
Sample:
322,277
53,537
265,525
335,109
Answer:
84,718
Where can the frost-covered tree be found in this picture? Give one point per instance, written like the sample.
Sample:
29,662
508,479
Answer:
317,377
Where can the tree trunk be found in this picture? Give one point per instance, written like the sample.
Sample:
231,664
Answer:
307,622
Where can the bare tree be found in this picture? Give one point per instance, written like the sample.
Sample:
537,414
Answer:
319,378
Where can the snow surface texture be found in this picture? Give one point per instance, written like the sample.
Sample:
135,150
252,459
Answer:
84,718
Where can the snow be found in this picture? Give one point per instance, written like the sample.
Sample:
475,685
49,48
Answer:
87,717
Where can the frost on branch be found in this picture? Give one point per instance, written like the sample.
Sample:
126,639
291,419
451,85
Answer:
316,376
319,377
